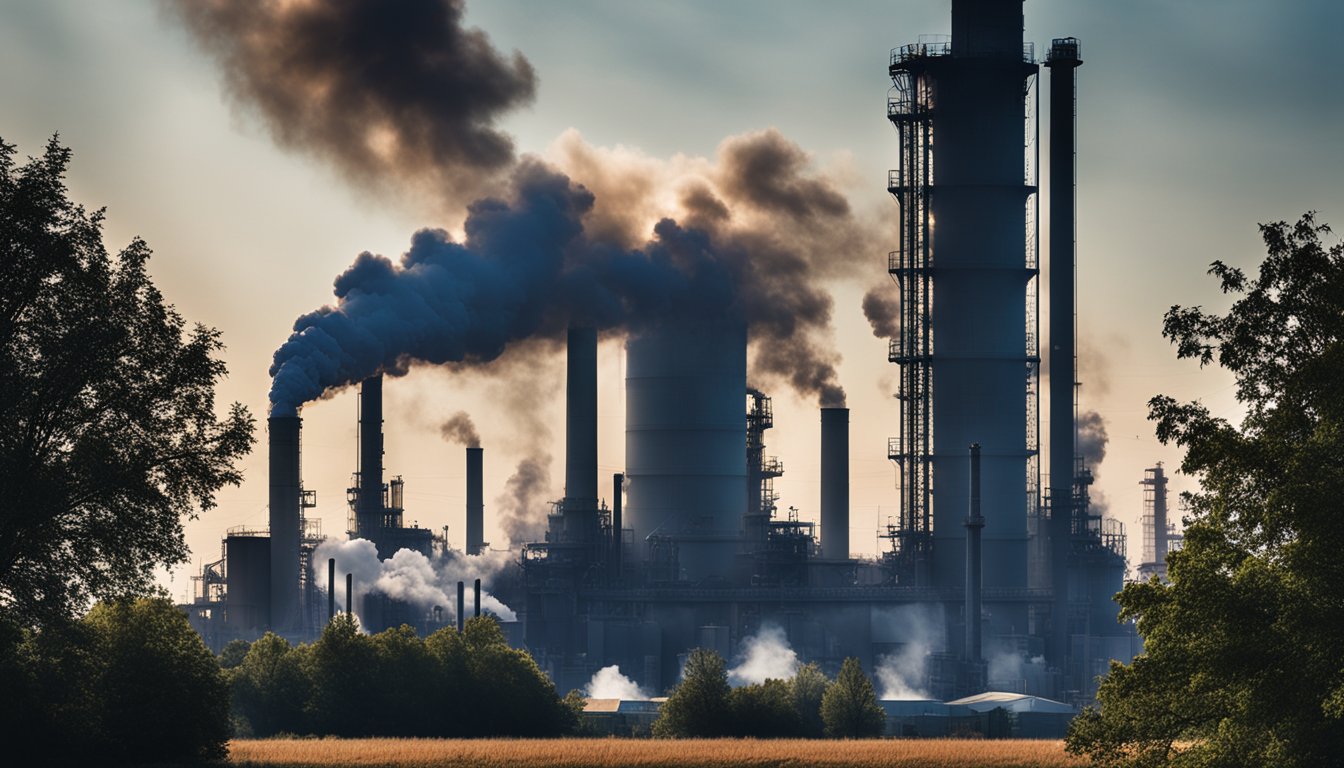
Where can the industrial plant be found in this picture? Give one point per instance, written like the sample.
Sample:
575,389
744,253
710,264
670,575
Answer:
998,574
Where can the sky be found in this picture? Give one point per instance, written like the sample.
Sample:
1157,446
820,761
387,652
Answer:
1196,121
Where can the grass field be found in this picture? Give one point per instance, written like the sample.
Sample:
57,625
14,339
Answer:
609,753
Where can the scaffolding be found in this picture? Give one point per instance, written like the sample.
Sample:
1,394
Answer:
761,471
910,105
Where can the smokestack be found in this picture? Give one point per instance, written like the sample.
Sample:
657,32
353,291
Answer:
369,507
835,483
1160,519
1063,62
975,523
581,420
350,594
618,487
478,599
987,28
461,605
285,513
331,588
475,502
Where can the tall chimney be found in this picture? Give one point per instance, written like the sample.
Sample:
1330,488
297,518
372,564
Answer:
478,598
331,588
475,502
975,523
1063,62
283,437
461,605
617,523
350,594
1160,519
369,507
835,483
581,419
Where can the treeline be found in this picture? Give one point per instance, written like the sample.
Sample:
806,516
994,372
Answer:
809,705
130,682
394,683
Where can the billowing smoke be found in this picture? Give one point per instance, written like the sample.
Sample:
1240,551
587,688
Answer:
408,97
1092,440
460,429
917,630
1010,671
882,307
609,683
411,577
523,505
763,656
388,93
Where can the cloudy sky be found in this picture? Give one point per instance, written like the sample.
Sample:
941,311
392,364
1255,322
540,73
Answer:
1197,120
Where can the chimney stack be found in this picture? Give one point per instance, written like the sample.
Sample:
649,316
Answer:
1063,61
461,607
835,483
285,513
331,588
350,594
581,419
617,523
369,507
475,502
478,598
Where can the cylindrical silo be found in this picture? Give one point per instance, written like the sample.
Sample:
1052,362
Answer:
283,446
685,442
835,483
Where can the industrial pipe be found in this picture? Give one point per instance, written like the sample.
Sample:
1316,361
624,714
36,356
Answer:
975,523
461,608
478,598
617,543
285,514
581,419
835,483
349,594
331,588
475,502
369,505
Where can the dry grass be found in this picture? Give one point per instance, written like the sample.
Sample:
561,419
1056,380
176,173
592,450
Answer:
608,753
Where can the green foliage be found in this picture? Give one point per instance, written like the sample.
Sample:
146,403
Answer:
806,690
698,706
395,684
849,707
1242,651
108,433
131,682
763,711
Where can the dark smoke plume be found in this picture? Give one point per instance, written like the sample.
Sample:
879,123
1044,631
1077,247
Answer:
522,512
882,307
1092,440
460,429
388,92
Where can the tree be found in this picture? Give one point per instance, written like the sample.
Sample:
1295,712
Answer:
763,711
698,706
807,689
1242,651
108,431
271,687
849,708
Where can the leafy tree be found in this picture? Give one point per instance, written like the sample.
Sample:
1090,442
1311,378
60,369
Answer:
849,707
233,654
343,668
806,690
510,693
698,706
156,670
271,687
108,433
763,711
1242,648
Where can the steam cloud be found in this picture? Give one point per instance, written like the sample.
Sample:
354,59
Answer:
410,576
385,92
765,655
522,506
918,628
460,429
609,683
409,95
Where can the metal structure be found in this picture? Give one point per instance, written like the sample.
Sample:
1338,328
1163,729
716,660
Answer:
835,483
1159,533
475,526
967,269
762,471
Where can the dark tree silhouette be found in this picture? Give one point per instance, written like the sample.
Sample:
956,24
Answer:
1242,649
849,707
698,706
108,430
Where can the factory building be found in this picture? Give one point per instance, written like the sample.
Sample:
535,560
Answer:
689,549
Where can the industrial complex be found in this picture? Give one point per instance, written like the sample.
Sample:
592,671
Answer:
998,574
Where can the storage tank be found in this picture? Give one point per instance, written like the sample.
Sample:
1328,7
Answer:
247,562
685,443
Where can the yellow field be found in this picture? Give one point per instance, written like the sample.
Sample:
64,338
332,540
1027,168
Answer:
609,753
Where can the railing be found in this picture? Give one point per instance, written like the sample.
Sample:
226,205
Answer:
893,447
895,179
930,46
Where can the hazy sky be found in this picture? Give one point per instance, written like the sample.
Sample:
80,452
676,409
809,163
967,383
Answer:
1197,120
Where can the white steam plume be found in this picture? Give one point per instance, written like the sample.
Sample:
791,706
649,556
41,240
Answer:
609,683
765,655
918,630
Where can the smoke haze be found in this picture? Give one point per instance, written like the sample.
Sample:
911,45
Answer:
460,429
387,93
